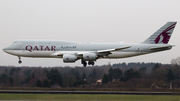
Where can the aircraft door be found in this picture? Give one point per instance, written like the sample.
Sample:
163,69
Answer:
23,49
139,51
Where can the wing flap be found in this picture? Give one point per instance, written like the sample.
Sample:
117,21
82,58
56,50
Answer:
60,53
111,50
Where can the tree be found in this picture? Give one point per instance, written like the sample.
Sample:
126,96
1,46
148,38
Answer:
84,79
110,72
136,74
28,73
46,83
33,75
38,84
6,70
129,74
176,61
170,76
121,79
90,75
176,71
105,78
69,80
156,66
84,76
4,79
28,79
14,70
75,73
10,80
115,73
55,77
142,70
110,78
94,73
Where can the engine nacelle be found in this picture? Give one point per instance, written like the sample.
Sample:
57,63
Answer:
69,58
89,56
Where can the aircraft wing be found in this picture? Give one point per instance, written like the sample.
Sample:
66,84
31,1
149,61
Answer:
106,52
80,53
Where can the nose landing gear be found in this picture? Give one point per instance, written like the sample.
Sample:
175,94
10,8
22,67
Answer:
19,60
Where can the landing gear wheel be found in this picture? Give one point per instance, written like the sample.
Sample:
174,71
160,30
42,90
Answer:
19,60
84,63
91,63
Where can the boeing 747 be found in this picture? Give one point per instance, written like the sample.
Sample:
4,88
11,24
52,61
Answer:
70,52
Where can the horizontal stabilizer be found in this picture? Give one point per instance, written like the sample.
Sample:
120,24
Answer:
156,48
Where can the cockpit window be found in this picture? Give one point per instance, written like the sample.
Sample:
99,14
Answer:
15,42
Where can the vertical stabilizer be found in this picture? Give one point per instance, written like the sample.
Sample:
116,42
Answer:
162,35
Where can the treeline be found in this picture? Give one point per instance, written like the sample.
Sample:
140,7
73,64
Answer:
139,75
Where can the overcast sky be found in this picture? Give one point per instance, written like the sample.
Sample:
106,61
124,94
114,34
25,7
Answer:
109,21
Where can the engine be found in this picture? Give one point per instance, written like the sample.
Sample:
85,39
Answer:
69,58
89,57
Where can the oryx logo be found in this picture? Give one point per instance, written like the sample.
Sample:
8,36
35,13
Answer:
88,56
164,36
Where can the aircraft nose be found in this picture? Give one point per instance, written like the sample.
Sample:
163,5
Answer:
6,49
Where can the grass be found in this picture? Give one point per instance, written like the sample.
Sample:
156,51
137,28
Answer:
92,89
89,97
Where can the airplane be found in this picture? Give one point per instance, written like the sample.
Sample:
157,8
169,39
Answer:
70,51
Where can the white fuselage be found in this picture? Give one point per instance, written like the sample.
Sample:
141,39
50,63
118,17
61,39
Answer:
49,49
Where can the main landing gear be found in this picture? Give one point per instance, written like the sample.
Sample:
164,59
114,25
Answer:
89,63
19,60
84,63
